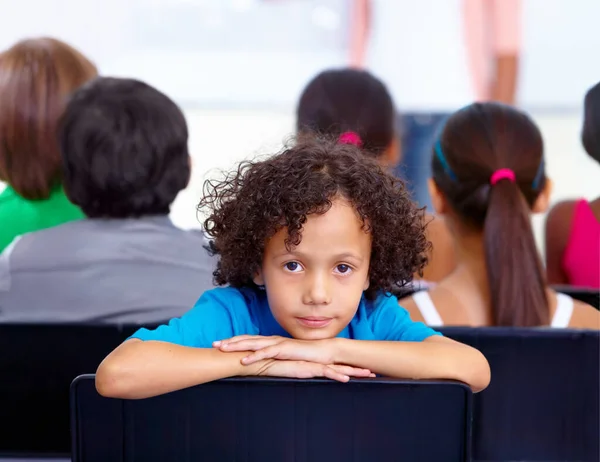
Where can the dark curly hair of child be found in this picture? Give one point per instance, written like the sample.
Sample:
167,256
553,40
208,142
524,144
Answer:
261,197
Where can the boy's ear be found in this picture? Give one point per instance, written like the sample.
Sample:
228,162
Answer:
367,283
542,202
258,279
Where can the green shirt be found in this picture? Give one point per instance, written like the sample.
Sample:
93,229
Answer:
19,215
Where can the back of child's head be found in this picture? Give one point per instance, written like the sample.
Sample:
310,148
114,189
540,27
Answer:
37,76
124,149
261,197
489,166
348,102
590,135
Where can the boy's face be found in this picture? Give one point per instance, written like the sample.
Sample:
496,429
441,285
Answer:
314,290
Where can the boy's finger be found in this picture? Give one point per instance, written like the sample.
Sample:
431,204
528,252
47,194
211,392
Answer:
358,372
265,353
237,338
250,359
364,372
249,344
236,346
332,374
353,371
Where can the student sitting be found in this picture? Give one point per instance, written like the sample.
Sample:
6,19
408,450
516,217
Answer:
309,242
573,226
36,77
488,177
125,159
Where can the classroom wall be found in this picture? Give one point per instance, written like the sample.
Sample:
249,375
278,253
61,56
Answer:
240,53
219,139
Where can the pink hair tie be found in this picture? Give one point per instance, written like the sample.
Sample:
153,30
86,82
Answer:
350,138
503,174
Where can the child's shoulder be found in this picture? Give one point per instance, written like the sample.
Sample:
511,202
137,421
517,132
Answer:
219,313
222,294
382,301
238,302
381,307
230,297
387,320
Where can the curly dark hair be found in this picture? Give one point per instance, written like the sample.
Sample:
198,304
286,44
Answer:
259,198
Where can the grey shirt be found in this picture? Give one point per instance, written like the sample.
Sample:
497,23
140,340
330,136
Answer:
104,271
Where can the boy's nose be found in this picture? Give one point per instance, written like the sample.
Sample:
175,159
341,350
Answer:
318,291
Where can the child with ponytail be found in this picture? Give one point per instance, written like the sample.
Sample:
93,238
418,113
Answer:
488,177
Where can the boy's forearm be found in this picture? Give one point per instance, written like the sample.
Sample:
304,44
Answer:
437,359
139,369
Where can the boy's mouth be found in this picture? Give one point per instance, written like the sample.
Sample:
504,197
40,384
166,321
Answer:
314,322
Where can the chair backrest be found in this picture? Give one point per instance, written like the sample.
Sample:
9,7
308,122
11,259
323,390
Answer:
543,400
589,296
266,419
37,365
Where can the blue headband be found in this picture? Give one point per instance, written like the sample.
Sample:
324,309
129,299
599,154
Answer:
539,175
440,155
442,159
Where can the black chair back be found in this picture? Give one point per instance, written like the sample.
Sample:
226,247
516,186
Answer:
543,400
37,365
267,419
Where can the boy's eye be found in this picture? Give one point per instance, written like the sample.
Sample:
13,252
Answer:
293,266
343,269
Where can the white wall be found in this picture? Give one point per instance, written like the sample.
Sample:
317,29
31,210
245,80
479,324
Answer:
221,58
219,139
258,52
418,48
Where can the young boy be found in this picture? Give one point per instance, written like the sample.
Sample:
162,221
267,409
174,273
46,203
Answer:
310,242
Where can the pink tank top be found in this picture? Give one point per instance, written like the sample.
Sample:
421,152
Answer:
581,259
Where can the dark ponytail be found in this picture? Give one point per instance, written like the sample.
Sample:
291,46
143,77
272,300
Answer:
515,273
477,143
340,101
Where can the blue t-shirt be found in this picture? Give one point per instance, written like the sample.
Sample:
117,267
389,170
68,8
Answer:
226,312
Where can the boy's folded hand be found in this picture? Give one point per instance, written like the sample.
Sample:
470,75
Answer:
284,357
275,347
307,370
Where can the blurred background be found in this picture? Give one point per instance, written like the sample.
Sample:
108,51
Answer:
237,67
